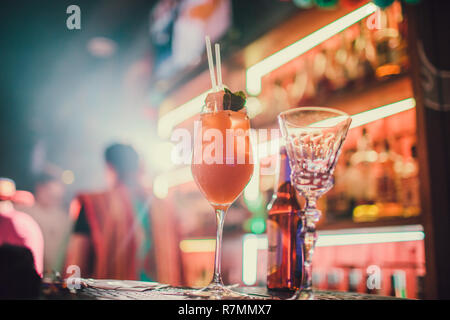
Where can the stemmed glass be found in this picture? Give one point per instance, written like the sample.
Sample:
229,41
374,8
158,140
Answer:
314,137
222,165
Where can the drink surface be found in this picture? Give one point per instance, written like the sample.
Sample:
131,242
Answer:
223,165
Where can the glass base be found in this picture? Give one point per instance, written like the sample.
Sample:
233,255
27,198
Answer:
215,291
305,294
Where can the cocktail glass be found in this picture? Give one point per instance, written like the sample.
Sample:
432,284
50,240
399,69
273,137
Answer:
222,165
314,137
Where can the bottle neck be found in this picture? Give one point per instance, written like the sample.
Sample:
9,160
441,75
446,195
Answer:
284,170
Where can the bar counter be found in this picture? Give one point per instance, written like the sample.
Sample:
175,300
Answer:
91,289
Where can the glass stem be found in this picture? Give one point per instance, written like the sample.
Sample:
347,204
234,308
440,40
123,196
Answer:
220,217
312,215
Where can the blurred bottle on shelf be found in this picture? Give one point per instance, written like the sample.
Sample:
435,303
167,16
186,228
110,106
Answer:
334,71
387,182
409,196
390,46
339,201
363,160
398,284
354,279
365,48
370,185
361,180
285,250
324,87
349,57
317,278
334,278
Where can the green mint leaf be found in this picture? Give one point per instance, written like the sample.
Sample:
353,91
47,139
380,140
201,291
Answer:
241,94
233,101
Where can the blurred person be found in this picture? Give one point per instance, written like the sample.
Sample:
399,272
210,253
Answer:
53,220
16,227
124,233
18,276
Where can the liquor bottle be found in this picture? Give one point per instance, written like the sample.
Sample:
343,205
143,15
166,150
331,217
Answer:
339,203
388,182
354,279
391,44
363,160
334,279
285,250
398,284
410,185
361,181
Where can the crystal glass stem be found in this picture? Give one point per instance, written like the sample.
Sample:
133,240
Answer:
312,216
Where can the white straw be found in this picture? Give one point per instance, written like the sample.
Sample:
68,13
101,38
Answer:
218,67
210,63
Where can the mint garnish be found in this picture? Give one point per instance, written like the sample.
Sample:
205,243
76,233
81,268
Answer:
233,101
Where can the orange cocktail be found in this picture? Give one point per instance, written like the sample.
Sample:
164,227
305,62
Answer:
222,164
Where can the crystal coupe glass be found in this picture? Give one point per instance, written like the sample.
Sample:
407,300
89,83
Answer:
314,137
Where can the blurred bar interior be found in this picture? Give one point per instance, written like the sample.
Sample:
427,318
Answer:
137,70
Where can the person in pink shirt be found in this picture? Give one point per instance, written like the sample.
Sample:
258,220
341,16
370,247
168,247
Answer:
18,228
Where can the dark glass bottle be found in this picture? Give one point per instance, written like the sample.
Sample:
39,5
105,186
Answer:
285,249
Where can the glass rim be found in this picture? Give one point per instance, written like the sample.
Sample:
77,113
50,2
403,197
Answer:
312,108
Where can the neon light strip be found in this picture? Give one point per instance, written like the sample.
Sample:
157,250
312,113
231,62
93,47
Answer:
328,240
251,243
198,245
276,60
163,182
332,240
171,119
371,115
